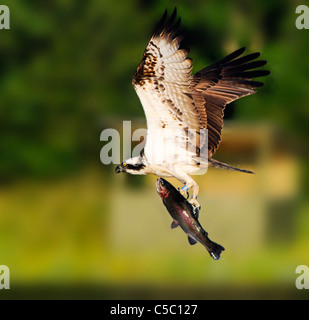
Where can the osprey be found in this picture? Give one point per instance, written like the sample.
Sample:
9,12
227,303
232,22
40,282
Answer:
184,112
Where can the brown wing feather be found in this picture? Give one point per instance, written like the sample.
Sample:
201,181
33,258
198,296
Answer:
171,96
221,83
162,82
162,79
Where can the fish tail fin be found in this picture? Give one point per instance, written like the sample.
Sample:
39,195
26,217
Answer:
214,249
221,165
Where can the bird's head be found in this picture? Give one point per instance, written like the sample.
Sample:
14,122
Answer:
133,166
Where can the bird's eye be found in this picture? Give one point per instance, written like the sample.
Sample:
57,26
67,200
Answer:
124,164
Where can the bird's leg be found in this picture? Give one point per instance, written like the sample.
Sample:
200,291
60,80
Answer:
182,176
184,190
193,200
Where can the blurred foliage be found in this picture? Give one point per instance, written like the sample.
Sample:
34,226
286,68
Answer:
66,66
66,70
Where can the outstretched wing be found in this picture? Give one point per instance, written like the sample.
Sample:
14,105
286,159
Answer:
162,82
174,99
221,83
162,79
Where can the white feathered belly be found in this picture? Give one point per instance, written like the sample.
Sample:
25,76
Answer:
166,149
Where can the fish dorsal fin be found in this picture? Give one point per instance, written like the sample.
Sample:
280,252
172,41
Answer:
174,224
192,241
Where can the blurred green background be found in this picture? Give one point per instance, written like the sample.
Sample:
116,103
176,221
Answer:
71,228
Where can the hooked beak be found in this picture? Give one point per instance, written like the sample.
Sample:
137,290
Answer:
118,169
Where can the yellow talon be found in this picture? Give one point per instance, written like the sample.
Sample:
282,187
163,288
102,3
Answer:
195,204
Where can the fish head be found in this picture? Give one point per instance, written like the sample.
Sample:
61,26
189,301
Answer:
162,188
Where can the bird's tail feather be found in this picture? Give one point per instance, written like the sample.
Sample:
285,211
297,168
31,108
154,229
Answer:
221,165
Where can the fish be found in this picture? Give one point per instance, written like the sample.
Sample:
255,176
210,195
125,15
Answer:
184,215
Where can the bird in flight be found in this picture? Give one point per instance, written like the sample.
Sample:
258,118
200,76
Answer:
184,112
